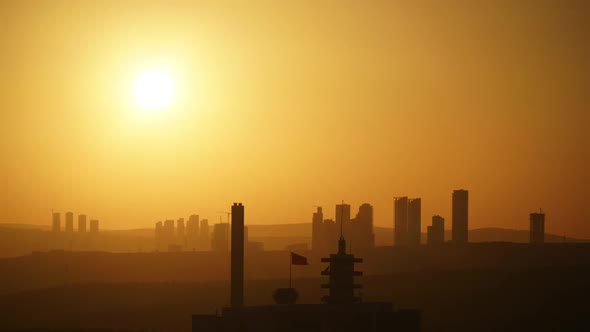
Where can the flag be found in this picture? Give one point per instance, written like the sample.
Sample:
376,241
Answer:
298,259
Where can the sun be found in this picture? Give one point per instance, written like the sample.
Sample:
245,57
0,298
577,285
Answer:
154,89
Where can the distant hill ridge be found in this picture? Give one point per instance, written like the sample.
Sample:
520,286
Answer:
383,235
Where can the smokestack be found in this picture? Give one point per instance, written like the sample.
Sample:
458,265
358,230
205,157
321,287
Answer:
237,255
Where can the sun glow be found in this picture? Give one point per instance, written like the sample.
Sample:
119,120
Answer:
154,90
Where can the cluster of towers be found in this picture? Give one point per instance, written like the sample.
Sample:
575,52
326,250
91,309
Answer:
359,230
194,235
407,221
69,223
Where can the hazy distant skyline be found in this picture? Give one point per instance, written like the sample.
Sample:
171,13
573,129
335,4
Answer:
287,105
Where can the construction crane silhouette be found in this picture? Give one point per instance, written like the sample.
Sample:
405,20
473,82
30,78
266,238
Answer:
228,215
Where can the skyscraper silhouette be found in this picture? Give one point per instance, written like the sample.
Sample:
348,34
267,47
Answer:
219,238
400,221
180,230
82,223
317,241
537,228
237,255
55,222
436,232
343,217
94,227
362,236
460,216
159,236
69,222
204,241
192,231
414,230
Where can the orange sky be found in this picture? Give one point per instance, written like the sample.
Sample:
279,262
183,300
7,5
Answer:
284,107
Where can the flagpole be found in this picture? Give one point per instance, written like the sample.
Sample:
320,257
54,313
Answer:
290,267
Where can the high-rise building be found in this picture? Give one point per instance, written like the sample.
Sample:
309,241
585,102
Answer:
362,237
237,255
169,234
343,218
204,241
82,223
460,217
192,231
180,230
94,226
436,232
69,222
537,228
159,236
414,230
55,222
400,222
219,237
317,242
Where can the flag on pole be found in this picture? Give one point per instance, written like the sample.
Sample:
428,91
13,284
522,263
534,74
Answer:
298,259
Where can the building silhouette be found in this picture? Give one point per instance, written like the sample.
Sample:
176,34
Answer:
237,255
436,232
400,221
326,232
82,223
362,235
414,228
180,232
317,234
537,228
192,232
343,217
342,311
331,232
69,222
204,239
460,216
94,227
219,238
159,236
55,222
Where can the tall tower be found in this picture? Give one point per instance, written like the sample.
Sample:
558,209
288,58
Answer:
362,235
82,223
192,231
537,228
55,222
460,219
436,232
219,237
400,221
180,230
414,221
343,218
204,241
341,273
316,230
69,222
237,255
94,227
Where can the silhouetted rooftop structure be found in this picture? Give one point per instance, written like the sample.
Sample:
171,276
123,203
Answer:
341,312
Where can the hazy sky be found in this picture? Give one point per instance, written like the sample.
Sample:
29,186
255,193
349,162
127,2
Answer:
283,105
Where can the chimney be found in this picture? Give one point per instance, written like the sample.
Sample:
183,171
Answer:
237,255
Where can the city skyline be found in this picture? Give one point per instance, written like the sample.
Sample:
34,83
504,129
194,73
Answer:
273,166
375,101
